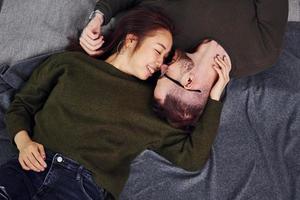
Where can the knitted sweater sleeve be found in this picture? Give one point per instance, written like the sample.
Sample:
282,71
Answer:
190,152
272,19
31,98
111,8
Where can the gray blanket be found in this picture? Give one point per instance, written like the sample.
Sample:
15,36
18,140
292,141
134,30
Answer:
34,27
256,154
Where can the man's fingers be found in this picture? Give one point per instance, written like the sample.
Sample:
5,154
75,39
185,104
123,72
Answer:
93,39
92,34
227,62
220,62
218,70
224,67
92,45
90,52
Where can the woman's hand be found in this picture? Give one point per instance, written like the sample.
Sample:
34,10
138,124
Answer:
91,39
31,154
223,68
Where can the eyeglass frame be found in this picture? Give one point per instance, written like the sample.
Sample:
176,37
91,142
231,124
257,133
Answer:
177,82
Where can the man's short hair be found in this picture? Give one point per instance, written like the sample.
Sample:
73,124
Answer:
181,112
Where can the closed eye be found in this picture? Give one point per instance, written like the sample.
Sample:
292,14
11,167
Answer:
158,51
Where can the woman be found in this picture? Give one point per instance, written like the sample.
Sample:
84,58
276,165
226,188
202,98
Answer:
135,51
90,115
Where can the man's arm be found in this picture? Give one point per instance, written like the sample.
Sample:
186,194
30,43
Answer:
111,8
272,19
91,39
191,151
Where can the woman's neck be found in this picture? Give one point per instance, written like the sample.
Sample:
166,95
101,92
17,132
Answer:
120,62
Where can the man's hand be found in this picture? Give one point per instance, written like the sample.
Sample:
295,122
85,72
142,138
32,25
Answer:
32,155
91,39
223,68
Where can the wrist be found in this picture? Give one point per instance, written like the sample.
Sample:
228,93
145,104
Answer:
215,98
99,17
215,95
21,139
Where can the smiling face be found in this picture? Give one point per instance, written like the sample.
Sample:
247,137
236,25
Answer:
149,55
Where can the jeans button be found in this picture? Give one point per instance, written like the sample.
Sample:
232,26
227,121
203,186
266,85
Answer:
59,159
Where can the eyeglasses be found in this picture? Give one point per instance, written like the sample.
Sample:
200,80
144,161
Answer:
177,83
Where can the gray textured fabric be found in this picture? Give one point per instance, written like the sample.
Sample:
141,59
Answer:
256,154
294,10
33,27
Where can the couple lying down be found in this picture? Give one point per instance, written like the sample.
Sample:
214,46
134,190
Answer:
79,121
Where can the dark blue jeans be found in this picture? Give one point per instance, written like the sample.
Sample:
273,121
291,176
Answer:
63,179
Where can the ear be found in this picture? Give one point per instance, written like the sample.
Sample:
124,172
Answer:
130,40
188,81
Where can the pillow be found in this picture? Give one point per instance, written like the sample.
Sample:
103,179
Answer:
33,27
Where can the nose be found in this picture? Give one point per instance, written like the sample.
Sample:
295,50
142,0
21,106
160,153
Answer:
164,68
160,61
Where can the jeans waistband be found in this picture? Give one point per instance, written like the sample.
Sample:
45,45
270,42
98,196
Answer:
69,164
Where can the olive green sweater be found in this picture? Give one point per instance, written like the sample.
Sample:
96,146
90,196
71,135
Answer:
101,117
251,32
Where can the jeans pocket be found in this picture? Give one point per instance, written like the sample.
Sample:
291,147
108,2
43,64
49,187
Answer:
45,185
3,194
85,187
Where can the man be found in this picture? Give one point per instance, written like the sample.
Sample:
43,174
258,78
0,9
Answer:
250,31
184,87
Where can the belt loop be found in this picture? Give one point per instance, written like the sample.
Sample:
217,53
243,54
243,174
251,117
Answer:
79,171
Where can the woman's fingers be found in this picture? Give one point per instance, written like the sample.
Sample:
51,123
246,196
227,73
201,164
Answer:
23,164
34,161
41,164
42,151
32,158
29,163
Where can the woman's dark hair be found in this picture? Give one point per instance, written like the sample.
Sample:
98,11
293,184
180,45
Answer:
140,21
